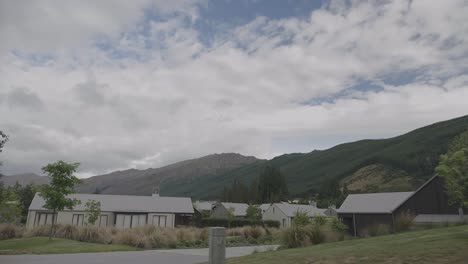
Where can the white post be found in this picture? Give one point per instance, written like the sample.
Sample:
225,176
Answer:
217,245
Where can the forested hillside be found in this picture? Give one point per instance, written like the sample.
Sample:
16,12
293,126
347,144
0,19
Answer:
413,155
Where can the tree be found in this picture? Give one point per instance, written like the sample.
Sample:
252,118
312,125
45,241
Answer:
93,209
453,168
272,185
3,140
10,207
254,212
62,183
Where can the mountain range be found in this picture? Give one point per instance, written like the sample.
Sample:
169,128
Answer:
395,164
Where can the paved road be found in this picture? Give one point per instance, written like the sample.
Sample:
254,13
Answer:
175,256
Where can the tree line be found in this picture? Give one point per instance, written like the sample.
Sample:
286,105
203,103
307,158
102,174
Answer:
269,187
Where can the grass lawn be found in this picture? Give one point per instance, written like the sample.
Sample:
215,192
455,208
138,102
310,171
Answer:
440,245
42,245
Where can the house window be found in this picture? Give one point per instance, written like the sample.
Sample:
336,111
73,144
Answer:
77,219
103,220
130,220
273,210
138,220
284,222
44,218
160,220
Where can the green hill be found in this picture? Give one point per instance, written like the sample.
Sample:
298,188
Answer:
414,155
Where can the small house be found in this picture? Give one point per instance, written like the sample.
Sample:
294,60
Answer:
223,210
122,211
284,212
429,204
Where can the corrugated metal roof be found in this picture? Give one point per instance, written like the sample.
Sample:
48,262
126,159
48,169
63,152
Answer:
373,202
126,203
240,209
291,209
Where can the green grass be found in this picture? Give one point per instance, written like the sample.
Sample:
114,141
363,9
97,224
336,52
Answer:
439,246
42,245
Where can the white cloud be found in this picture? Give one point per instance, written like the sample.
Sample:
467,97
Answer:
160,95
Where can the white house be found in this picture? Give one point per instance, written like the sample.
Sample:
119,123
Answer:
264,207
222,210
284,212
204,207
121,211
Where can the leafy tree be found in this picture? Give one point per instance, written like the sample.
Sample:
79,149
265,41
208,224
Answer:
93,209
62,183
453,167
10,207
301,219
254,212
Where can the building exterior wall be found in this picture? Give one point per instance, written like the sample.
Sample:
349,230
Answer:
430,199
362,224
275,214
106,219
220,211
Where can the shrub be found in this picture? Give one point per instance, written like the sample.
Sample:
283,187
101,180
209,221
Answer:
255,232
320,220
379,230
403,222
301,219
8,231
316,235
208,222
296,236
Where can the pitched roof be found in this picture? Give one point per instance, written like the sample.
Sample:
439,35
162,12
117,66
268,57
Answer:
203,205
373,202
264,207
291,209
240,209
126,203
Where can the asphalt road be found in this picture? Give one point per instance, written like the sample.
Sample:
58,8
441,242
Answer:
176,256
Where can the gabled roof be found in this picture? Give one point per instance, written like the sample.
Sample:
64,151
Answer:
291,209
126,203
264,207
373,202
240,209
203,205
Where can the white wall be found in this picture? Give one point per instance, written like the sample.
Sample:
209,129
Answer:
220,212
275,214
66,218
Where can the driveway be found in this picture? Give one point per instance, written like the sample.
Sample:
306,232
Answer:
174,256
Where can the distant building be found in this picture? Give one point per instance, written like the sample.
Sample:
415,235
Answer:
264,207
204,207
222,210
122,211
428,204
285,212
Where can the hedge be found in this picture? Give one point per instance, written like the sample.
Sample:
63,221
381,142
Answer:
207,222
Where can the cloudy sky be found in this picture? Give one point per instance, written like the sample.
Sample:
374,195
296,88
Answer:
122,84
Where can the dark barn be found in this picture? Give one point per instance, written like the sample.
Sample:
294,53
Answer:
364,213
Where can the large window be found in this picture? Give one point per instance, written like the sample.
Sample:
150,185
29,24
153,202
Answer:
44,218
160,220
130,220
77,219
103,220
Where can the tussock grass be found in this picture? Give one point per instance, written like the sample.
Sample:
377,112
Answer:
146,237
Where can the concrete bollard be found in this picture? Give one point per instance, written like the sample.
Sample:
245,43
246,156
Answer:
217,245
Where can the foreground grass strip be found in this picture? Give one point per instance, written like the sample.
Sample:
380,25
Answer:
441,245
42,245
